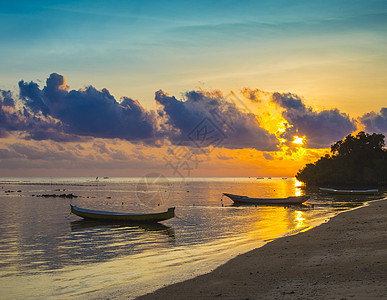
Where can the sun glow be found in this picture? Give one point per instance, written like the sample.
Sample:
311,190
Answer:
298,140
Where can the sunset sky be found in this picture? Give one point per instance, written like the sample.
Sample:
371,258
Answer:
186,88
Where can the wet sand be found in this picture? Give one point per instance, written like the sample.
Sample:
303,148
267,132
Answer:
345,258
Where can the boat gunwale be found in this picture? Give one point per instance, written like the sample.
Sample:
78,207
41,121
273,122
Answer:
111,213
122,217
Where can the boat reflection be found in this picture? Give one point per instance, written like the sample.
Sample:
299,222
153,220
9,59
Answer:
274,205
80,225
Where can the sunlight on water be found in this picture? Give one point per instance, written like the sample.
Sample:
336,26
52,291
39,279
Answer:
299,219
47,252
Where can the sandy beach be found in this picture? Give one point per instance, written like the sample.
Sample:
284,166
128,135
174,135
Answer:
345,258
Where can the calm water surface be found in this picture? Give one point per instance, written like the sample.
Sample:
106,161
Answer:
46,252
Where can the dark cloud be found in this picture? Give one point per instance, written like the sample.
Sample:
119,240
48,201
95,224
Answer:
320,128
58,113
101,147
205,119
6,154
32,152
3,133
253,95
52,134
89,112
201,119
268,156
6,98
34,126
32,97
375,122
119,155
79,147
223,157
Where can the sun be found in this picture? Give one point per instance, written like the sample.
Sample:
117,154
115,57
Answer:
298,140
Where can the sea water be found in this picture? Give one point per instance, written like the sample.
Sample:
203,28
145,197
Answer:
47,252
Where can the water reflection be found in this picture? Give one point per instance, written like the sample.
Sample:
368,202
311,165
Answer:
299,219
80,225
39,236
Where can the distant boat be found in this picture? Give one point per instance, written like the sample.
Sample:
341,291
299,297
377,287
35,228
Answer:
122,217
350,192
247,200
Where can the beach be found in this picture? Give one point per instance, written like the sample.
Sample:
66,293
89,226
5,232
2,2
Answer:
343,258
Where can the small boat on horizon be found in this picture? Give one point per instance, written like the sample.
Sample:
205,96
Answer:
122,217
238,199
349,192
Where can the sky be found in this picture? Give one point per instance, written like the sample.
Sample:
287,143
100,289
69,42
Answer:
186,88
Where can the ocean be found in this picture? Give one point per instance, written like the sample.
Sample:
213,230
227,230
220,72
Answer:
48,253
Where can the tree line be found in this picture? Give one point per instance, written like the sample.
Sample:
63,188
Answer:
356,161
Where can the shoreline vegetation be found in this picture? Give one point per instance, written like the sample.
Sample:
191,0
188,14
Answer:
344,257
357,161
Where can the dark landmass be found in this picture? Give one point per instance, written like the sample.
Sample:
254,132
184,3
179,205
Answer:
57,195
356,161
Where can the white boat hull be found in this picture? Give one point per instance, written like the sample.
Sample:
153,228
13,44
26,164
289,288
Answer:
350,192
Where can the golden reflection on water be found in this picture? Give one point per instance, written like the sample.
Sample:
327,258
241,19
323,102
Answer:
298,185
274,221
299,219
54,254
270,223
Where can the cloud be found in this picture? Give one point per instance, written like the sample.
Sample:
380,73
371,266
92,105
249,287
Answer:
268,156
6,154
375,122
320,128
34,126
41,152
254,95
101,147
223,157
201,119
206,119
32,97
89,112
6,98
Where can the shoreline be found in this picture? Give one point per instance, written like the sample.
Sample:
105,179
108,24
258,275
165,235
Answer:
344,257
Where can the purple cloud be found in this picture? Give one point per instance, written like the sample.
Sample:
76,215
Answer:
32,125
375,122
6,98
204,119
89,112
320,128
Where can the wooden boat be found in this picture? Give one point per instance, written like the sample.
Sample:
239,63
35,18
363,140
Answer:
122,217
247,200
350,192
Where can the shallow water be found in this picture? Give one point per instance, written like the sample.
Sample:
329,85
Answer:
48,253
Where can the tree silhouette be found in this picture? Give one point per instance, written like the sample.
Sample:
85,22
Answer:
359,160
